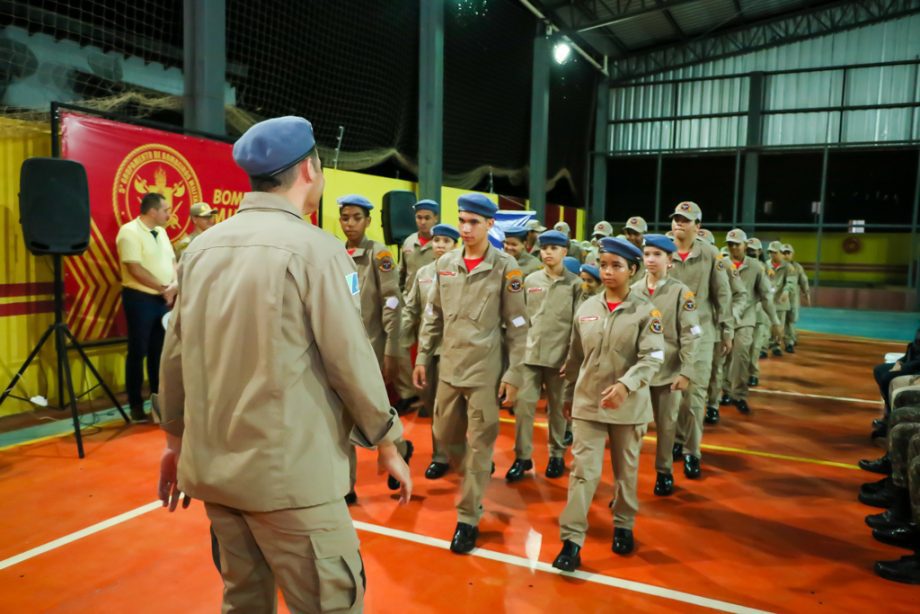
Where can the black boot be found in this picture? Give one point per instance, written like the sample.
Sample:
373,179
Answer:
712,415
555,468
742,406
886,497
664,484
436,470
777,352
692,467
677,452
874,487
880,432
906,569
763,354
464,538
880,465
393,483
518,467
623,542
753,382
725,400
790,349
404,406
903,537
568,558
351,498
895,517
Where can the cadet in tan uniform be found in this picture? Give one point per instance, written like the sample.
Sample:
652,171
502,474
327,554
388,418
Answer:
699,267
617,348
552,295
202,217
443,239
590,280
718,379
381,301
682,332
258,388
802,289
762,328
478,290
515,247
784,286
601,229
634,231
575,250
758,288
534,230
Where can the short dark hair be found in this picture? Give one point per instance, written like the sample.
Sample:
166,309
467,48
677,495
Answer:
151,200
284,179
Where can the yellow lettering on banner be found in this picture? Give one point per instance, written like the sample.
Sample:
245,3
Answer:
227,197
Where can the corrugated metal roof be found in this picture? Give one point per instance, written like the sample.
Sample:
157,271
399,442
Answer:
701,17
645,30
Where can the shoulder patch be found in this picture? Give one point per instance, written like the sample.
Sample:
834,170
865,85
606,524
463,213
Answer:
515,280
385,262
771,272
688,295
689,303
719,264
656,313
655,326
514,273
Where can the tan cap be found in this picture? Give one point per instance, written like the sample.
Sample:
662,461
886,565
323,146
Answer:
534,225
201,210
689,210
563,228
637,224
604,229
755,243
788,248
775,246
706,235
736,235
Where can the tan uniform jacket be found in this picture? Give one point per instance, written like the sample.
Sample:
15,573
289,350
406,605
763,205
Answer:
465,315
682,331
529,264
416,303
267,372
802,279
183,243
625,345
551,305
741,298
783,286
757,284
381,300
412,257
575,251
704,273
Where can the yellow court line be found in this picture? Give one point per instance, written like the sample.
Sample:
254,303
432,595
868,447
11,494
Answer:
59,435
715,448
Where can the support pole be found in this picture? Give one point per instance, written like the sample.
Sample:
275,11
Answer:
598,204
539,122
752,152
205,65
431,99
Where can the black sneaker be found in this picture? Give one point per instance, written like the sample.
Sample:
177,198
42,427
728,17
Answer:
138,416
677,452
664,484
712,415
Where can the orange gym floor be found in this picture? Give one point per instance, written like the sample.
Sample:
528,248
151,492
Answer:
774,523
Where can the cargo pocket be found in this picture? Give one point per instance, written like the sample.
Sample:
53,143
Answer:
339,570
475,309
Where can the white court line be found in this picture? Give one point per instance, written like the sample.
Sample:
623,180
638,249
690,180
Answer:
817,396
509,559
67,539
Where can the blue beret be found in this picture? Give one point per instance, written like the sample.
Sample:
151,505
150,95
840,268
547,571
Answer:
356,200
428,205
572,264
478,204
274,145
554,237
517,232
661,242
620,247
591,270
445,230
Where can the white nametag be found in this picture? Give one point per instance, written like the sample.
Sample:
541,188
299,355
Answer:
519,321
659,354
392,302
429,309
696,330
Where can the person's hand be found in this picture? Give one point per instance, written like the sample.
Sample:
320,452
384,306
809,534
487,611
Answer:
726,347
168,488
681,383
390,461
613,396
896,367
778,333
390,369
507,394
419,377
567,410
808,300
169,293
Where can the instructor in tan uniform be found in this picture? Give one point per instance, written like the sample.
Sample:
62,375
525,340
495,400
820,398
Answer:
478,290
258,388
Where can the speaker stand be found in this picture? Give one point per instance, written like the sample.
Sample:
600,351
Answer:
61,334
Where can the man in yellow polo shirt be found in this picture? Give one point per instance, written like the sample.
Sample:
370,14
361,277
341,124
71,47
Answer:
148,279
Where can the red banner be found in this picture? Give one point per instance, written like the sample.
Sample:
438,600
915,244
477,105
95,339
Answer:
123,162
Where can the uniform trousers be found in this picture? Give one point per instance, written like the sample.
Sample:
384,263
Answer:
739,370
525,407
693,403
665,406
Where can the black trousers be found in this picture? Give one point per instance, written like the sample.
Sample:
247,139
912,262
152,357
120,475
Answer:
883,376
144,313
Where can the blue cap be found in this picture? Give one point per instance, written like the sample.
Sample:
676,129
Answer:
355,200
591,270
445,230
274,145
478,204
554,237
572,264
428,205
661,242
516,233
620,247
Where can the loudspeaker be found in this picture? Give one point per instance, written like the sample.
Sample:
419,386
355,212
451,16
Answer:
398,216
54,206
